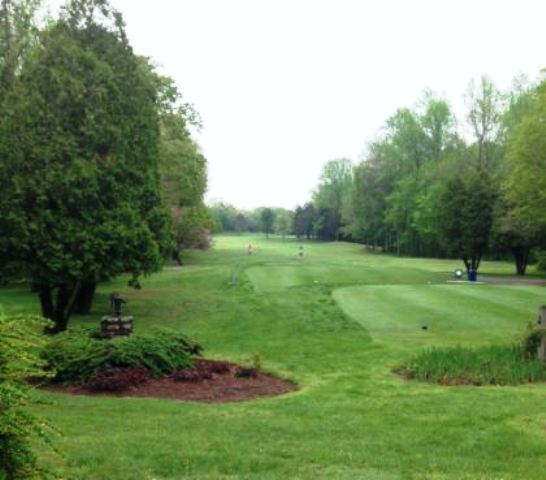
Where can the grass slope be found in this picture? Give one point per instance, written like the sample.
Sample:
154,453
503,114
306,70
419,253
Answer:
336,321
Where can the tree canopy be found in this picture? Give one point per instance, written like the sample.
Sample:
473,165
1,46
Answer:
424,188
79,138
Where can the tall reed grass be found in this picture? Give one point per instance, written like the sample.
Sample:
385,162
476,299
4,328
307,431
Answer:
492,365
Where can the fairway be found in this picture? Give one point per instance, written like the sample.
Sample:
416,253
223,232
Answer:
336,321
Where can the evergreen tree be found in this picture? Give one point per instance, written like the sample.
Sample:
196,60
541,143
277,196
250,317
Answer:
79,141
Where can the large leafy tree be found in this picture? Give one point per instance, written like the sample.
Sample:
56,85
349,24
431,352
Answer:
79,141
267,216
304,218
18,33
283,222
225,217
393,180
485,107
326,224
416,142
332,195
465,218
516,234
372,184
183,168
512,231
524,183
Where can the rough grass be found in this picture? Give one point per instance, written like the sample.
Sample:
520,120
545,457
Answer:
339,338
492,365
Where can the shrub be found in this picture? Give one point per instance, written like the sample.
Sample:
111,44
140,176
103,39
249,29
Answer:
118,379
203,370
76,357
213,366
19,339
246,371
494,365
187,375
540,256
256,361
531,341
203,239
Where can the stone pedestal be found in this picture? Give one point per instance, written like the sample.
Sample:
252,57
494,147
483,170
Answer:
116,326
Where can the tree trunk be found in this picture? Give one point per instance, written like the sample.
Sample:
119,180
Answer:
46,301
476,260
60,311
521,257
84,298
176,254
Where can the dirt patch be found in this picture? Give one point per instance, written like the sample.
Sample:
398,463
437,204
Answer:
225,387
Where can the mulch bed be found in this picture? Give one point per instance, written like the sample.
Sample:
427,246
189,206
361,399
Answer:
225,387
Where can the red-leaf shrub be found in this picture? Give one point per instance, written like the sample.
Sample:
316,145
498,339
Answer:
118,379
213,366
187,375
203,370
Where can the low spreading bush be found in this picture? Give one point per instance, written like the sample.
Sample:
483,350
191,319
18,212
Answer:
118,379
76,357
19,339
493,365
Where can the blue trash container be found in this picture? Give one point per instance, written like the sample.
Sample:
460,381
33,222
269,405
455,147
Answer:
472,275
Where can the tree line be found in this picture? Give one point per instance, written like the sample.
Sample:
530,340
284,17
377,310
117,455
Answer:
229,219
432,185
98,170
425,189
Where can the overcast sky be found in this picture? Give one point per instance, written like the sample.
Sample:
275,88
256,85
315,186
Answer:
283,86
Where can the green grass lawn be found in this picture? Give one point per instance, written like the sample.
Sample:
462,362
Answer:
336,321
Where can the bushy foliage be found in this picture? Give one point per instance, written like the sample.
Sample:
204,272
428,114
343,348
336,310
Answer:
531,341
213,366
118,379
540,256
76,357
252,370
79,142
19,338
492,365
193,226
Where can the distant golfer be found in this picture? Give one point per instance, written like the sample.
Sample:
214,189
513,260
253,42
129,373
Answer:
249,249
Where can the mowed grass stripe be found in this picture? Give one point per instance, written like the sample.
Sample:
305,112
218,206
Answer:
353,418
469,314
